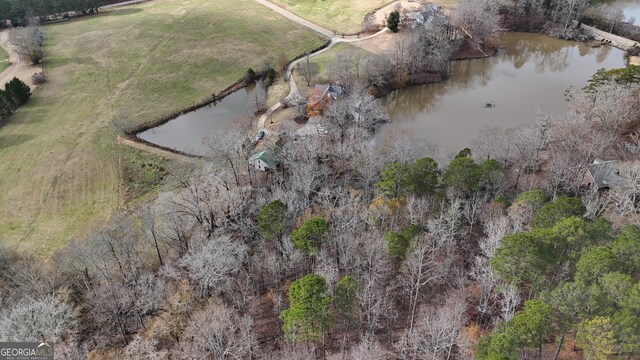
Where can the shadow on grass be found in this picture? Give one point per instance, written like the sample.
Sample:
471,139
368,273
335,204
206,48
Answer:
127,11
7,141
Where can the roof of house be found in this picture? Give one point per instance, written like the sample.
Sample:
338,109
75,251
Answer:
427,15
264,155
321,90
605,174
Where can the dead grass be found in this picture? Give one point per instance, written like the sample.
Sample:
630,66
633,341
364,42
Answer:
60,173
342,16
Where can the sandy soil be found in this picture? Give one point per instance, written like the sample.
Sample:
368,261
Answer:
20,68
382,44
380,17
634,60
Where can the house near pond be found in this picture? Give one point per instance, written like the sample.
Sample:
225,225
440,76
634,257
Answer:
322,96
263,161
427,15
618,181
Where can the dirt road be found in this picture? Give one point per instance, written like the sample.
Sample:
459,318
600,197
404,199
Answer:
19,68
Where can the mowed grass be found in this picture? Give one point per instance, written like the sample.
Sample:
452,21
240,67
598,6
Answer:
342,16
4,59
59,169
325,61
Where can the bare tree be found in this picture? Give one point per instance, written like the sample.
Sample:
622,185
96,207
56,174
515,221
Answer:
358,108
628,192
213,264
509,301
256,99
436,332
218,332
423,267
228,148
28,41
143,349
44,319
308,70
479,19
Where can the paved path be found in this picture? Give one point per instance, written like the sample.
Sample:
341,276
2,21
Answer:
16,63
335,39
615,40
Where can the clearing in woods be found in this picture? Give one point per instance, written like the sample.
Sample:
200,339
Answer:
58,159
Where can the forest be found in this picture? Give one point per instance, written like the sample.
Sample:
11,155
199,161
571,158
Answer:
356,248
352,250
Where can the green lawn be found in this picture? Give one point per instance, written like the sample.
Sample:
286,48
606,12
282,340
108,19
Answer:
4,59
343,16
61,174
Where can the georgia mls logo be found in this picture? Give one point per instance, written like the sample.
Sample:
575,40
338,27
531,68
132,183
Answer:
26,351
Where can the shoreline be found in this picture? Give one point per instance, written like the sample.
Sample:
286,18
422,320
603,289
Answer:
425,78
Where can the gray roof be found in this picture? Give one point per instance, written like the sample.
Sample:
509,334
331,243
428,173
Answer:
331,89
605,174
271,161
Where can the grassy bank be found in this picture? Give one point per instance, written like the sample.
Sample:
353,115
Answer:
61,174
4,59
344,16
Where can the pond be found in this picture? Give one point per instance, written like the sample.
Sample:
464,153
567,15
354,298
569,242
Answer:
187,133
631,9
531,70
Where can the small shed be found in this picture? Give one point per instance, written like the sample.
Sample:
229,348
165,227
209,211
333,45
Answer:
263,161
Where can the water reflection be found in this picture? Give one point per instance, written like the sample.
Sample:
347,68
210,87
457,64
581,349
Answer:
530,69
631,9
187,132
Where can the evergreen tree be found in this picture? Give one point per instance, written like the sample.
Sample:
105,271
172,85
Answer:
307,318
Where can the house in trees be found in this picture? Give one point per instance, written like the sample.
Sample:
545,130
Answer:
425,16
263,161
604,174
617,180
322,96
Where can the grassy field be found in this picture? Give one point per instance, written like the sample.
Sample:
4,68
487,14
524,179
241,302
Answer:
61,172
324,61
4,59
343,16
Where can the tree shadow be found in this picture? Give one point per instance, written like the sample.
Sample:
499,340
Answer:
7,141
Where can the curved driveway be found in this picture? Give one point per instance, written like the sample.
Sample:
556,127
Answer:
335,39
9,72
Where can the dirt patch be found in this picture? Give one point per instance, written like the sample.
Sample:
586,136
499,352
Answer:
380,16
634,60
381,44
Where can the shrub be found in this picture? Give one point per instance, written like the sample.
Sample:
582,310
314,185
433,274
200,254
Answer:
38,78
393,21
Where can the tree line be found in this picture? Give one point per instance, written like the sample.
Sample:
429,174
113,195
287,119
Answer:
20,11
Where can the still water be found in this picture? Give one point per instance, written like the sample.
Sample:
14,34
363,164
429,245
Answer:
188,132
530,70
631,9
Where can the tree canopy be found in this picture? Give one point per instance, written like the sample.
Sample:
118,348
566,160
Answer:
307,318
